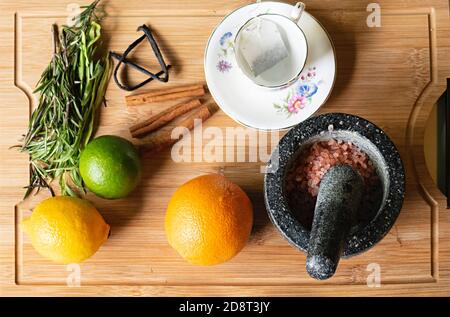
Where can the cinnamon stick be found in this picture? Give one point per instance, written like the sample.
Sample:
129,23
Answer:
162,118
195,90
161,139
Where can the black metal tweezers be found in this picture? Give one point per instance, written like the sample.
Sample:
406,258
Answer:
162,75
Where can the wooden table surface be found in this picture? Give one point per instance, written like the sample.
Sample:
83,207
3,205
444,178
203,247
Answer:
391,75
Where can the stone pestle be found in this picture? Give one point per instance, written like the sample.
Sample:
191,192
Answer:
338,200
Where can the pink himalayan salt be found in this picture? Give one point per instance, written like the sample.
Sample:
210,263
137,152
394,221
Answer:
321,156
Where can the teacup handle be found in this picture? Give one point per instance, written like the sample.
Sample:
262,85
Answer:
296,13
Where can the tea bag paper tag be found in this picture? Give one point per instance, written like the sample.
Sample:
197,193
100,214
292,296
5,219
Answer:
262,45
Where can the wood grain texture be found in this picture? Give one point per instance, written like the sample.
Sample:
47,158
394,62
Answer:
390,75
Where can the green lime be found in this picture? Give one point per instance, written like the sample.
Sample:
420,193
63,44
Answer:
110,166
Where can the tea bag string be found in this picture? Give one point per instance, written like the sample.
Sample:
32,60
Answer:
258,27
123,59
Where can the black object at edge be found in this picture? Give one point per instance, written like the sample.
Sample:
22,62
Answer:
123,59
447,142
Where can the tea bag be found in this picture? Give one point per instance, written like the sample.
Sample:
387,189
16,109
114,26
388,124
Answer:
262,45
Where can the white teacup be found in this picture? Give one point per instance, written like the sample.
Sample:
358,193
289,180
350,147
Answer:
288,69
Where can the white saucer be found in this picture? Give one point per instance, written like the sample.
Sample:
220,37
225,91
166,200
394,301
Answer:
259,107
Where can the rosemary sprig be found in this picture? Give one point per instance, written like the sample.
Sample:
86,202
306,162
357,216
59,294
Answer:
71,89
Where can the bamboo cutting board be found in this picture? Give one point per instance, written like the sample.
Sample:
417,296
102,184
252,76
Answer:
390,75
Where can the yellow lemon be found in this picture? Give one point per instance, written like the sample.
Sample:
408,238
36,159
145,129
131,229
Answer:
66,229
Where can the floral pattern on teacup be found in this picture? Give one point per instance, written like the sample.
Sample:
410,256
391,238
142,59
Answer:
226,50
300,95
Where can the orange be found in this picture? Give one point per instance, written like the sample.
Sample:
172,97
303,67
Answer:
209,220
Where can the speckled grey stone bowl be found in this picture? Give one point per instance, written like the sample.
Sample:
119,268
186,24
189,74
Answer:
369,138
